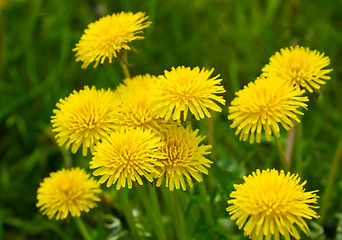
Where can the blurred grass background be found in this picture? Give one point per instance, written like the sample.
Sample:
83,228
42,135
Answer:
37,67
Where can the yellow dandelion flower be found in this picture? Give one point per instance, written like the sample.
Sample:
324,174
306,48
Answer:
133,110
264,104
270,203
300,66
136,85
106,37
184,88
84,117
126,156
67,191
183,157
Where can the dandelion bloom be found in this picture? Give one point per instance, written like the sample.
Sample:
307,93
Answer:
106,37
270,203
136,85
264,104
126,156
300,66
183,157
184,88
67,191
84,117
133,110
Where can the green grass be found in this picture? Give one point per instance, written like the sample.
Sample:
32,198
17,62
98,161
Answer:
38,67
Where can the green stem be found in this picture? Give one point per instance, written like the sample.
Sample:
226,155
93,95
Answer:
151,212
154,200
211,141
123,198
332,176
67,158
82,228
178,217
123,63
281,154
207,210
210,127
299,149
290,142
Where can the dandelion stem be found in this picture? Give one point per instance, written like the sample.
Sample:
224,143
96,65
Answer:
178,216
207,210
332,176
154,200
211,141
281,154
123,198
125,70
291,137
81,226
123,64
151,212
210,127
299,148
67,158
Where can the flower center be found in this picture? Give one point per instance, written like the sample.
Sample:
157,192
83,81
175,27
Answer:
271,203
89,120
296,73
175,156
266,108
128,158
139,116
65,186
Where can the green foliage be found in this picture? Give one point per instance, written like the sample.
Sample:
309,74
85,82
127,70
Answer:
37,67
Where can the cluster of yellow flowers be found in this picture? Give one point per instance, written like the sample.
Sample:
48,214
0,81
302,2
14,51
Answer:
129,131
276,95
135,132
269,203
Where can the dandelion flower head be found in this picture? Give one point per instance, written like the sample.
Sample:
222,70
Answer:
184,88
106,37
67,191
264,104
126,156
270,203
136,85
133,109
183,157
84,117
300,66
